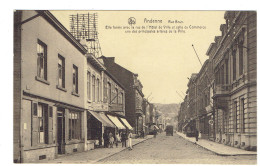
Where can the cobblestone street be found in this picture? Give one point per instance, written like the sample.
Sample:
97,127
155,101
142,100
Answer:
173,150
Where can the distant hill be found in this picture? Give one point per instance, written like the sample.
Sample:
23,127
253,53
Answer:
169,110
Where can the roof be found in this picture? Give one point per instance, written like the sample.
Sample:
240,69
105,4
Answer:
59,27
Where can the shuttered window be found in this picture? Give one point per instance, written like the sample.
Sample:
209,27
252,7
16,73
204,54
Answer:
42,124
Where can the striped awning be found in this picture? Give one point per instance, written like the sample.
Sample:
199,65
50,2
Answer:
116,121
126,123
102,118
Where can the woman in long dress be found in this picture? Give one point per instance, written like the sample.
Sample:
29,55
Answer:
130,135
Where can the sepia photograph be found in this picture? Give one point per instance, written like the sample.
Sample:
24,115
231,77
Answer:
135,87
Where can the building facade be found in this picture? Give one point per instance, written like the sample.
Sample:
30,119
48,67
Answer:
49,111
234,96
64,98
133,92
226,100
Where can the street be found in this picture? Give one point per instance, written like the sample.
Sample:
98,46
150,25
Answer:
173,150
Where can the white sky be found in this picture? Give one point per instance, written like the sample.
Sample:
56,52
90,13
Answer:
163,61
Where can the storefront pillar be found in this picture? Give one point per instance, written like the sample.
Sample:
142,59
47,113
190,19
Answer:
85,130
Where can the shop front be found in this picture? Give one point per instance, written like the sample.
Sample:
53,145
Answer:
97,125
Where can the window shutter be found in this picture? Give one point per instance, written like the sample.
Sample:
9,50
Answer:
50,125
35,124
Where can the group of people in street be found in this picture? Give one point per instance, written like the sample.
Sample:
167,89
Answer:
120,137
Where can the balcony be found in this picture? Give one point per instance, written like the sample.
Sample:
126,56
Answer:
116,107
222,90
139,111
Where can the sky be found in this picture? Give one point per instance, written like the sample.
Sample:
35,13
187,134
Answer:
163,61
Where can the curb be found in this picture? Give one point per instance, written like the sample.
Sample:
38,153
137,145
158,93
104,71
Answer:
220,154
117,152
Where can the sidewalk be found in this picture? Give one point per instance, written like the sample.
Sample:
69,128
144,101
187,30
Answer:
219,149
93,156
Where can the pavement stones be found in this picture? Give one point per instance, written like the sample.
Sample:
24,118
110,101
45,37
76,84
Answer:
93,156
217,148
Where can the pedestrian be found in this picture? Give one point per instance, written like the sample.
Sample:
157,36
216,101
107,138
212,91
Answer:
123,139
105,138
196,135
130,135
142,133
111,140
154,132
117,139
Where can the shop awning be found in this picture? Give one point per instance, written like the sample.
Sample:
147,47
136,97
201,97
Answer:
126,123
116,121
103,119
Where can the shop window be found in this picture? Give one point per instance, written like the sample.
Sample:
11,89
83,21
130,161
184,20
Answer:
75,79
41,60
61,71
74,125
42,124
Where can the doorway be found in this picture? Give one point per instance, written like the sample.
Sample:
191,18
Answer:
61,131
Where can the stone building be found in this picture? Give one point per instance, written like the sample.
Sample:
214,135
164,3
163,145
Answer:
233,56
226,85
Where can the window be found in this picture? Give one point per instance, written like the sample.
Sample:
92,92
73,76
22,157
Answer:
109,93
98,90
88,85
74,125
226,64
42,128
61,71
242,107
42,60
116,96
105,89
75,79
234,65
122,98
236,117
93,88
241,63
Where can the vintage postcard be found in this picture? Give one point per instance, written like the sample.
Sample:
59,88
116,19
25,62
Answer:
134,87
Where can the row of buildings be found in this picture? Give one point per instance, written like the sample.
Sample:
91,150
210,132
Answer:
221,99
65,98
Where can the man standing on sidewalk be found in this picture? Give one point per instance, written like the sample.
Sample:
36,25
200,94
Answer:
123,139
196,135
